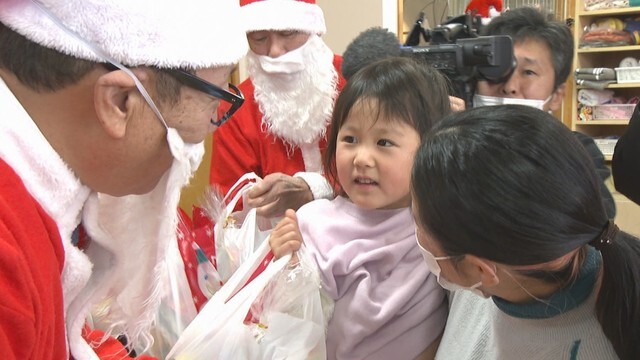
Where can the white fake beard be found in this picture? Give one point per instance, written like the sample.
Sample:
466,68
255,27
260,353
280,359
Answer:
297,107
129,256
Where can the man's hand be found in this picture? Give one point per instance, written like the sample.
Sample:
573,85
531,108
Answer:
286,237
278,192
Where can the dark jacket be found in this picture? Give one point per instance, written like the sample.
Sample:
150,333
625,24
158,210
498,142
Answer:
626,160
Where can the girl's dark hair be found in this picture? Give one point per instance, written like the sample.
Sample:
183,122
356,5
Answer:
513,185
402,88
44,69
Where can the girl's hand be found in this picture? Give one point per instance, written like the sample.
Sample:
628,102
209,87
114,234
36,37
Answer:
457,104
286,237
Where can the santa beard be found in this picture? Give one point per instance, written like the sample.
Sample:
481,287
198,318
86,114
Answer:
297,107
132,239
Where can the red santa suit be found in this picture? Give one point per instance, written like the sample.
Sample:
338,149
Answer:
244,145
42,272
31,263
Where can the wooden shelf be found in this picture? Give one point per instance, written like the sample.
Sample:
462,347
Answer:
601,57
609,12
602,122
608,49
614,86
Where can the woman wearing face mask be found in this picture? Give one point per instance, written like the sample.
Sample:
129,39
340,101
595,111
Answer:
507,204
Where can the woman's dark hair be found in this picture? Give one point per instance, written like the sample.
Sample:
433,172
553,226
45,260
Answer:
402,89
49,70
513,185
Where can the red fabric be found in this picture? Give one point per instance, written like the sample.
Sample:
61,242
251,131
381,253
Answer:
191,238
481,7
31,260
111,348
241,146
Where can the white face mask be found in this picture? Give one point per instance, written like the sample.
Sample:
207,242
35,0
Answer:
485,100
434,267
187,155
289,63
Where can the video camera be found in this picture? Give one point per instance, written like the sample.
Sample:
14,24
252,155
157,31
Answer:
456,49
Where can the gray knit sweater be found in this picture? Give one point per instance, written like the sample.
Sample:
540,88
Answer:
563,328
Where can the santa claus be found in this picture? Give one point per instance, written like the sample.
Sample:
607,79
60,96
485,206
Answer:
98,135
279,133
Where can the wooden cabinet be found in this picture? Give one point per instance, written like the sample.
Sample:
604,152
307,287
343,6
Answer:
606,124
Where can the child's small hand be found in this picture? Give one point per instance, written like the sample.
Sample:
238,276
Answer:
286,237
457,104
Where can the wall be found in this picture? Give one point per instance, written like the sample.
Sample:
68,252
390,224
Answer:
347,18
627,212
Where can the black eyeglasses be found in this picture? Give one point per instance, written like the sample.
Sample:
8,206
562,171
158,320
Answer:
208,88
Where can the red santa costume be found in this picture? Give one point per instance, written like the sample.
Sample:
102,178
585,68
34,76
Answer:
282,124
50,285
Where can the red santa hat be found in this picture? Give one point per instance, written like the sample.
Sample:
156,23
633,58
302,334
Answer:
302,15
162,33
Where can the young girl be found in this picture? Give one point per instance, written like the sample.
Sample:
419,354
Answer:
387,303
508,205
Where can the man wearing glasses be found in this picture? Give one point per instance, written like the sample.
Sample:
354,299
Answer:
104,107
293,81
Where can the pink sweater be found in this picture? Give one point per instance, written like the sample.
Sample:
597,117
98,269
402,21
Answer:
387,303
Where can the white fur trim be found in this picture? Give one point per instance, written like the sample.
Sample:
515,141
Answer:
283,15
162,33
320,187
311,156
41,169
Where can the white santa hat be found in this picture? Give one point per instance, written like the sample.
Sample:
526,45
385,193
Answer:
161,33
302,15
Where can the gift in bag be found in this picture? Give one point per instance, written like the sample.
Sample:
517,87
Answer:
237,233
286,322
220,238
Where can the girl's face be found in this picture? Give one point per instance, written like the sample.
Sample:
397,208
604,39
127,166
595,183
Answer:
374,158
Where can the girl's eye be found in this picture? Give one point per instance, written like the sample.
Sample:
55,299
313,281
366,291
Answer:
349,139
385,142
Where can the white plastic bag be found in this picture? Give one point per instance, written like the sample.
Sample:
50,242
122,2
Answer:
176,309
293,331
237,233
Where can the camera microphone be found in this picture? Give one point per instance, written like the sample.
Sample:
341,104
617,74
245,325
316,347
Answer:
370,45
